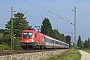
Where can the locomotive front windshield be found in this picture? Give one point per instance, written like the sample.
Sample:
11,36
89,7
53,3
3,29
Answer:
27,35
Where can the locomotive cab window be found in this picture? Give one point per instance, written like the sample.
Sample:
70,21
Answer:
27,35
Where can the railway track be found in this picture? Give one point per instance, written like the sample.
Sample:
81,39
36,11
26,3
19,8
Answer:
22,51
17,52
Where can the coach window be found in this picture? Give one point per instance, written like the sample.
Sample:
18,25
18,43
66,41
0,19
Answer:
60,43
66,45
52,41
56,42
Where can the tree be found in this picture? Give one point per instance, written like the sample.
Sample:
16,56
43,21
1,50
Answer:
79,43
82,44
55,34
46,27
62,38
19,24
86,44
2,30
6,36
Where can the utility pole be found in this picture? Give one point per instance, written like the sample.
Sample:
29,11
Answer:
11,27
75,42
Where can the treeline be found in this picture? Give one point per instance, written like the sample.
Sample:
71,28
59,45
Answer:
46,29
83,44
19,24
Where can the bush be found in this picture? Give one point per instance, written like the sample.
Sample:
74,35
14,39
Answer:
4,47
17,44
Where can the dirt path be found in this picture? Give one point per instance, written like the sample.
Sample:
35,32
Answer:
85,55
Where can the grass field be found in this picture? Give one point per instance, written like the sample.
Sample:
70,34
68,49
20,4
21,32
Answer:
70,55
87,50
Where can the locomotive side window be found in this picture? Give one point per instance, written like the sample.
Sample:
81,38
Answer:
27,35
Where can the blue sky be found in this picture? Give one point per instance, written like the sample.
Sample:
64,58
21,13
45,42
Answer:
39,9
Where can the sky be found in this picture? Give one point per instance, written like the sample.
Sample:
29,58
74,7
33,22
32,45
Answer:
37,10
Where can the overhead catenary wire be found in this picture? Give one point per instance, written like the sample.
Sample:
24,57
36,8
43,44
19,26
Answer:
49,12
4,9
33,8
17,8
43,7
61,18
61,10
6,2
12,5
55,14
38,12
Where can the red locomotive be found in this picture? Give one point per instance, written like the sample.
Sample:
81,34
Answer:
32,39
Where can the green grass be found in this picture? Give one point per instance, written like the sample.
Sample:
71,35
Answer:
53,57
70,55
87,50
4,47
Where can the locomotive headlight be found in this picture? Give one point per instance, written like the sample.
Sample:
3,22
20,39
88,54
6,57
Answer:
32,36
32,40
22,41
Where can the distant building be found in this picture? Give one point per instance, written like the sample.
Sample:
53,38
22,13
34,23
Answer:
68,39
1,35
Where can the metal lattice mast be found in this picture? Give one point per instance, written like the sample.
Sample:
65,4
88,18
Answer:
75,42
11,27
